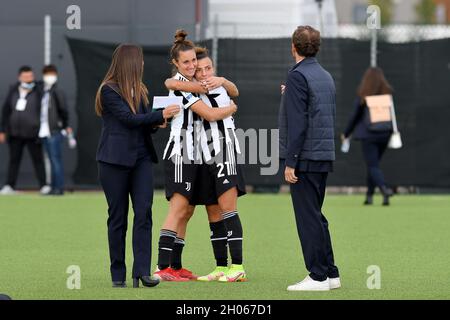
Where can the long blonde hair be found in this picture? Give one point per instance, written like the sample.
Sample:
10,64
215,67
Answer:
126,71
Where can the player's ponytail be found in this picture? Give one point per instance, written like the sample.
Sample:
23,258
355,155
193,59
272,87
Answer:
180,44
180,36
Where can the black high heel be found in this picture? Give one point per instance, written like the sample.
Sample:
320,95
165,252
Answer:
387,193
369,200
147,281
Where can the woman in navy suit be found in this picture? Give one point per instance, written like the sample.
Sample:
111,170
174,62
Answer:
374,143
125,155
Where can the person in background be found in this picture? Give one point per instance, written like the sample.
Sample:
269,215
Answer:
19,127
374,143
54,119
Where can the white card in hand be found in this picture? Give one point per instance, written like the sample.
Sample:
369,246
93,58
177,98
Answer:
345,147
21,104
162,102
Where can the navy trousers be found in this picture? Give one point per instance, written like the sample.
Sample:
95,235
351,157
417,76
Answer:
373,151
119,183
307,196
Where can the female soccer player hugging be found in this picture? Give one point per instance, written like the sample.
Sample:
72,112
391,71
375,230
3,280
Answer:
221,177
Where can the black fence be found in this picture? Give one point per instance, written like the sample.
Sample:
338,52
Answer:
419,73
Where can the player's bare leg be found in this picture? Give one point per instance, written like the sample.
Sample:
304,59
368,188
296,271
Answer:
176,261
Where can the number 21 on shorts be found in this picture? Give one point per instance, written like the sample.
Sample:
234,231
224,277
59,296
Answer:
221,166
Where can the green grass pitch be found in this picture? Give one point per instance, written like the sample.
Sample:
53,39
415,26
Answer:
41,236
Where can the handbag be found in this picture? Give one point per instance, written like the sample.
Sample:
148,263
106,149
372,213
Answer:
395,142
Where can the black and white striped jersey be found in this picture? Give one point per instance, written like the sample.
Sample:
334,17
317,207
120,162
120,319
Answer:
214,132
184,140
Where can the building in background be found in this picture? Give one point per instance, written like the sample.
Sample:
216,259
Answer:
339,18
442,11
269,18
403,11
354,11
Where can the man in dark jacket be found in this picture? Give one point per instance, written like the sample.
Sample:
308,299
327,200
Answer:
54,119
20,127
307,130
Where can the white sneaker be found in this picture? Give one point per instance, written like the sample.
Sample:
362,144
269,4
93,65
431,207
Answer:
335,283
7,190
309,284
45,190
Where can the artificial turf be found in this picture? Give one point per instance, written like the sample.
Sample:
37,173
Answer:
40,237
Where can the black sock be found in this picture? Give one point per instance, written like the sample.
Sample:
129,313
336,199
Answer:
235,233
165,248
176,254
219,242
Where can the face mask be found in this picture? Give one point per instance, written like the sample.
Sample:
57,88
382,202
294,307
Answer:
50,79
27,85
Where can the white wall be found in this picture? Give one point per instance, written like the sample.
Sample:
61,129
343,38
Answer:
269,18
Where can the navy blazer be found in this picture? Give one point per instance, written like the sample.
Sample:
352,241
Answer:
120,129
357,126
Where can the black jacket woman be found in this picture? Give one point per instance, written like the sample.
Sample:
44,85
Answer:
374,143
125,155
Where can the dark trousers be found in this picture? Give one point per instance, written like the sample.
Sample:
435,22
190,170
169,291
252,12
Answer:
16,146
53,146
308,195
373,151
118,183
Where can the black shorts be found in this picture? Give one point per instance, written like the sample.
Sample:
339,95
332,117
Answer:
218,176
180,177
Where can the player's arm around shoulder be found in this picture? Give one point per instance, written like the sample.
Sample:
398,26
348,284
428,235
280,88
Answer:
231,88
186,86
213,114
216,82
